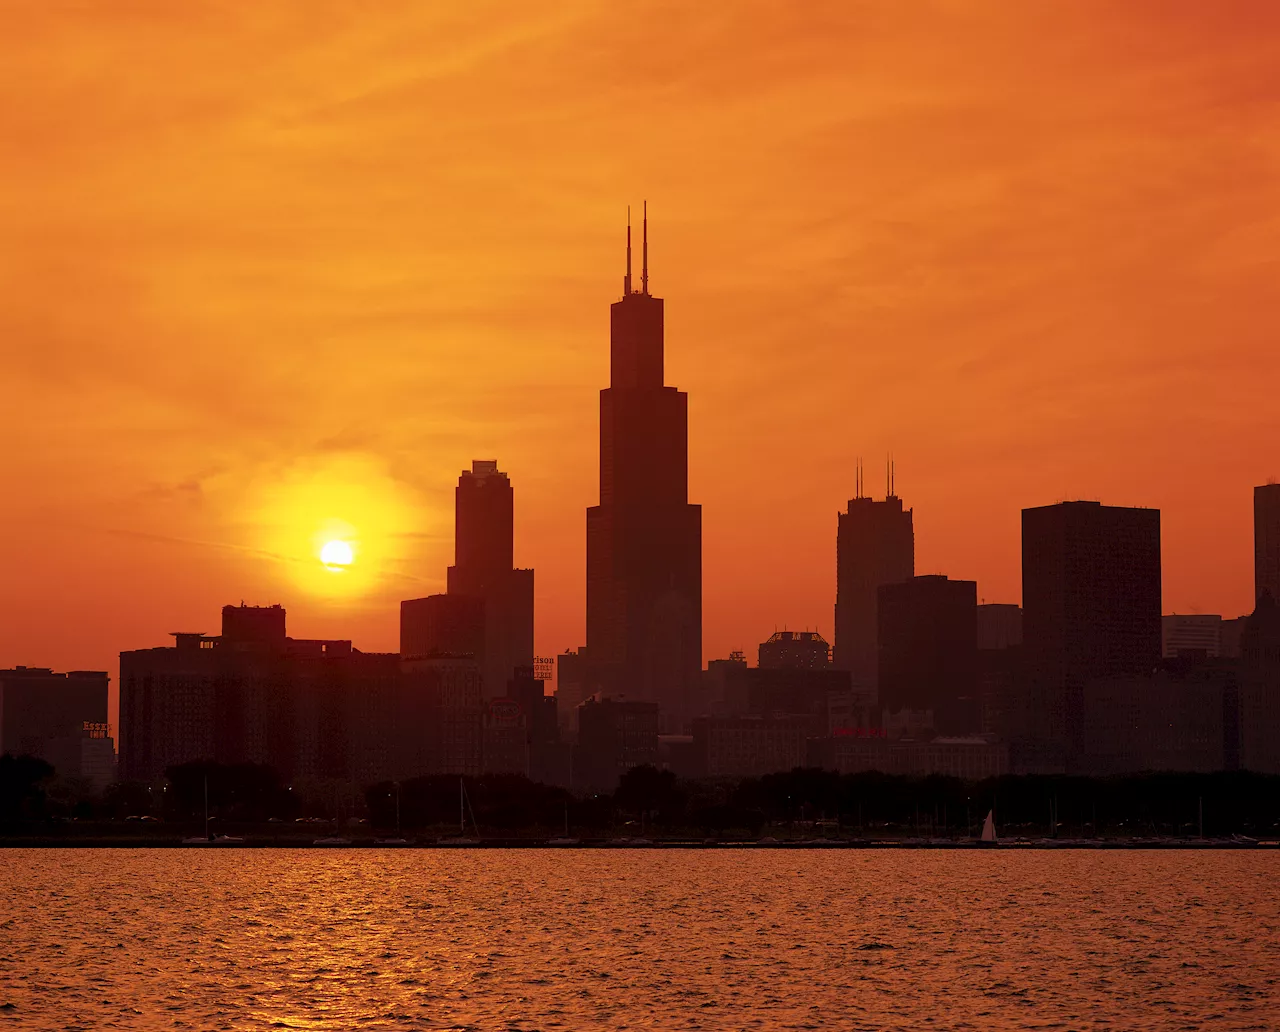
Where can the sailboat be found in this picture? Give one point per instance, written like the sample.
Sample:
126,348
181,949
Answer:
564,840
988,837
207,839
337,838
464,804
398,840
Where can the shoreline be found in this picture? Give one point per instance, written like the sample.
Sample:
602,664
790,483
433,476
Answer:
1011,845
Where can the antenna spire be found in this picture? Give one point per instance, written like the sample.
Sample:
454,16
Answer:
644,266
626,280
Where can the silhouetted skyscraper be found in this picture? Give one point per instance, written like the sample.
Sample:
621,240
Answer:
644,539
928,633
1266,540
795,650
875,545
1090,609
482,584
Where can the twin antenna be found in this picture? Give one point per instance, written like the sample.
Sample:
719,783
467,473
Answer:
889,477
644,261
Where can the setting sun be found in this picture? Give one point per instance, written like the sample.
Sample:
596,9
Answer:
337,555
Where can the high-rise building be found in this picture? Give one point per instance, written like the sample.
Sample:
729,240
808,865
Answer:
875,545
1266,540
928,635
1183,633
1259,707
483,586
614,735
795,650
572,681
58,718
442,625
999,625
1090,609
644,539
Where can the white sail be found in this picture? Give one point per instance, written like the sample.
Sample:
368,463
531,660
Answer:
989,827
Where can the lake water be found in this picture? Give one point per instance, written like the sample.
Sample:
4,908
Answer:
638,939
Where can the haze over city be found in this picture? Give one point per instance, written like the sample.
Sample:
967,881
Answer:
291,270
647,515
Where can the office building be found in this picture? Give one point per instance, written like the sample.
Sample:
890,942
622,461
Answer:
614,735
440,718
309,708
1190,633
483,586
1259,728
742,747
928,641
1229,637
969,757
442,625
1090,610
999,625
1266,540
58,718
875,545
573,687
795,650
644,539
1180,717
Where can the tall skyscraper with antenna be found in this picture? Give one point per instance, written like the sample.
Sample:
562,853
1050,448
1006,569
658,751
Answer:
875,545
644,539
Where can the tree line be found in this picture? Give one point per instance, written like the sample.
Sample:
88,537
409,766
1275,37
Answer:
648,801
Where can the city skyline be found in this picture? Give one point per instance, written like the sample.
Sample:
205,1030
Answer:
651,515
991,337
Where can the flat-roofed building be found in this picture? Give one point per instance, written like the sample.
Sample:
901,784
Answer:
1199,633
58,718
740,747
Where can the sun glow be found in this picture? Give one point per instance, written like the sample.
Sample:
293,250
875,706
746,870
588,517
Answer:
337,555
340,525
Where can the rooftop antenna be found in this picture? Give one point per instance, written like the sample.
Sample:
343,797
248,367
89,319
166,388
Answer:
888,477
626,281
644,265
893,476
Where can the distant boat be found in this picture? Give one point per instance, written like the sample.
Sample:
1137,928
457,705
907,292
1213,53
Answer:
208,839
464,804
332,840
391,842
563,840
989,829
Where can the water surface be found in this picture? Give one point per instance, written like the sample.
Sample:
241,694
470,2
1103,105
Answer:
643,939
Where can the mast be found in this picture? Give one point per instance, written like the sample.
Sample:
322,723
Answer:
206,806
626,280
644,263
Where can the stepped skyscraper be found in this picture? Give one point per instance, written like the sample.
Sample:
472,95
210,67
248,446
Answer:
875,545
644,539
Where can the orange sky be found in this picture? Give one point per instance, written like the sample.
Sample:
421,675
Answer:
263,259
